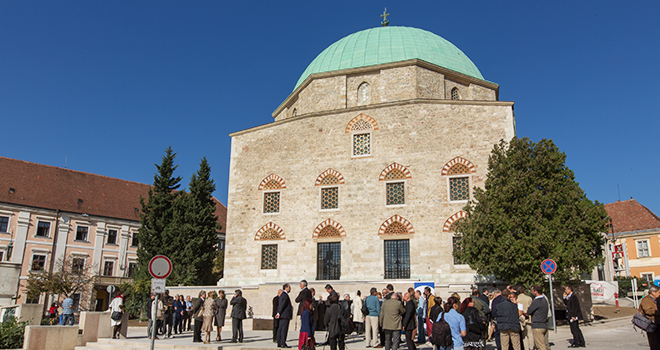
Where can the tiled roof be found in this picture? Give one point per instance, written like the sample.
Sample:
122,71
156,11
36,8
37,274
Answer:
630,216
49,187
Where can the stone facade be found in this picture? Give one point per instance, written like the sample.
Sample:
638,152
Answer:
415,130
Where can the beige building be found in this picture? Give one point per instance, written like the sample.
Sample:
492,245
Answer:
366,166
50,214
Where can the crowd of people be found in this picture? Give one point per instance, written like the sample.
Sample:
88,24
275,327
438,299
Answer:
509,317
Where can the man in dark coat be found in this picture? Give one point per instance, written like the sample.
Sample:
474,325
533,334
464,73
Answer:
331,291
276,322
409,321
239,306
284,315
332,324
304,294
493,312
197,328
574,315
508,322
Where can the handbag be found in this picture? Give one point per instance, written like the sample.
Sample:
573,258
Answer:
116,315
644,323
365,309
309,344
200,314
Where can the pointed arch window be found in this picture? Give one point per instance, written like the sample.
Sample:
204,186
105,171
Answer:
364,94
329,181
395,176
459,175
272,187
361,129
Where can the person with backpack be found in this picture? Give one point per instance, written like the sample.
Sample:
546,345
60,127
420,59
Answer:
333,324
449,328
475,324
390,320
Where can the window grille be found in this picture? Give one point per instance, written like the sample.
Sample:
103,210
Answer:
361,144
269,257
271,202
456,243
454,94
459,189
330,198
396,193
397,259
329,261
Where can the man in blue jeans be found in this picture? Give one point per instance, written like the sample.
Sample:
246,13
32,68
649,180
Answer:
67,311
421,312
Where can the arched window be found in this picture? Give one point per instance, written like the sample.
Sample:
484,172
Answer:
361,128
395,176
294,113
272,187
458,172
454,94
450,227
364,94
329,182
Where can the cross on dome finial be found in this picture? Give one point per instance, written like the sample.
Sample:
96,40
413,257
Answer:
385,22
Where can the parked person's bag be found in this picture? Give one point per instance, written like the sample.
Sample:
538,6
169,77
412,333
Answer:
644,323
116,315
365,310
441,332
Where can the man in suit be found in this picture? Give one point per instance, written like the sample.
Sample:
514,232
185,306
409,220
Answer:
304,294
574,314
284,315
276,303
409,321
197,328
239,305
390,320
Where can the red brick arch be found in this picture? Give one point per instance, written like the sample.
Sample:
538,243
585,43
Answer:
458,160
362,116
329,172
272,177
329,222
398,219
269,226
452,219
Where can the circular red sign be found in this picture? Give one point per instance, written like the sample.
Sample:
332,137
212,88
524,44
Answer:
548,266
160,266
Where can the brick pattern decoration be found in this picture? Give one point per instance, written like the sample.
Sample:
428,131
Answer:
360,126
269,231
458,160
272,182
396,169
447,227
385,226
329,222
326,178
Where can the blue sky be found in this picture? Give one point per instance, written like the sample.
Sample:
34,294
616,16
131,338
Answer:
109,85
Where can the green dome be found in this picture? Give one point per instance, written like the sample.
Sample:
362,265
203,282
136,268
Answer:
390,44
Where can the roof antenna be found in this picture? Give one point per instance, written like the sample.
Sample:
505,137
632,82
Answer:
617,189
385,22
65,160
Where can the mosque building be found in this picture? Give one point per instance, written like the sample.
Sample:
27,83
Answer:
366,166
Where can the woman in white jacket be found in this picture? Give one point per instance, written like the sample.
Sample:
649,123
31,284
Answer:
116,308
356,311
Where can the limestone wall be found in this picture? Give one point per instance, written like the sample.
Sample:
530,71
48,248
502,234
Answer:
421,136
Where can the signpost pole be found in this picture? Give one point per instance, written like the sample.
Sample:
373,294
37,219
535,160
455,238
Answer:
552,300
154,312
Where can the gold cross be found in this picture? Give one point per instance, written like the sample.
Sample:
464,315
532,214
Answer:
385,22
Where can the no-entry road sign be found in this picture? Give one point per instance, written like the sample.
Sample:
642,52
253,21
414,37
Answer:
160,266
548,266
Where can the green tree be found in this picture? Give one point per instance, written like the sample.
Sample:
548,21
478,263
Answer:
531,209
197,231
156,231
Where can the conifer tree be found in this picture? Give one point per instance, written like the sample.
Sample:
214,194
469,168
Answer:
157,215
197,231
531,209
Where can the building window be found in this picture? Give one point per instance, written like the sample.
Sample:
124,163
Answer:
643,249
454,94
459,188
108,268
397,259
648,277
328,266
2,255
294,113
269,257
112,237
4,223
456,245
132,266
396,193
77,266
362,144
134,239
38,262
364,94
329,198
32,300
81,233
76,301
271,202
43,228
